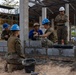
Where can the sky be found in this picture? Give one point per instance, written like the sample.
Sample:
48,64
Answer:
30,4
5,10
3,0
1,10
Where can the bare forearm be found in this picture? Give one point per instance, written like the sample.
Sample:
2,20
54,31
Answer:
43,36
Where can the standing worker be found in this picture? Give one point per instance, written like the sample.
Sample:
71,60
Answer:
6,32
60,20
14,50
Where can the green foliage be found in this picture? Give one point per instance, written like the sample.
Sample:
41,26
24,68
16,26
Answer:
73,33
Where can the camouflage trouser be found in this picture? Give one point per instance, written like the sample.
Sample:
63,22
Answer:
46,42
13,62
62,34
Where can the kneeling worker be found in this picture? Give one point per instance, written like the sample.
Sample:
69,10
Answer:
49,33
14,54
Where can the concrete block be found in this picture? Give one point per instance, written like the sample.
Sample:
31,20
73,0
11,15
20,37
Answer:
68,52
3,43
35,43
53,51
3,46
29,50
41,51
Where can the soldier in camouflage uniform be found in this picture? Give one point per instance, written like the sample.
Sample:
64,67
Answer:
49,34
14,55
6,32
60,20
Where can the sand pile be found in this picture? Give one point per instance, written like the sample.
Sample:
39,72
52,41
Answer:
51,68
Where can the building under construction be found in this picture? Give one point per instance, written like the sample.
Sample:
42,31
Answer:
35,11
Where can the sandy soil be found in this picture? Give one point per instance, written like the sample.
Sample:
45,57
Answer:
51,68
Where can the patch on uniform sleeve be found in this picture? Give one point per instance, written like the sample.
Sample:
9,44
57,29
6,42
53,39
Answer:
50,30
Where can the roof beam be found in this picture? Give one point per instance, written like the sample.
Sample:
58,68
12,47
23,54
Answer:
47,7
55,4
72,7
6,7
70,4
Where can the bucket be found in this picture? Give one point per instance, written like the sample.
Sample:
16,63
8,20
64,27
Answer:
29,64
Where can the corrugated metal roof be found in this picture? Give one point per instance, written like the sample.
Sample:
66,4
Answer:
54,6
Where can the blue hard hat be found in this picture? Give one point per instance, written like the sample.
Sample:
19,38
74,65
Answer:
5,25
15,27
45,21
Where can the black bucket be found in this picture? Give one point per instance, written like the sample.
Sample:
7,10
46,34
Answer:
29,65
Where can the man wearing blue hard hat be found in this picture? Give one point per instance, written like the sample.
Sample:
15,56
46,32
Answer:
49,33
6,32
14,50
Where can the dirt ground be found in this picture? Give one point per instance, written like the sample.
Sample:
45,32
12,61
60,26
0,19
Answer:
51,68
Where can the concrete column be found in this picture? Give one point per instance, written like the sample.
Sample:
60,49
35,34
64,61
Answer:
44,13
24,26
52,23
67,23
40,21
41,26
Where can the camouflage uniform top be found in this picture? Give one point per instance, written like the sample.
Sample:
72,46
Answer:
14,46
4,33
61,19
51,37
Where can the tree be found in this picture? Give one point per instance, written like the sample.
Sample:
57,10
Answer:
10,3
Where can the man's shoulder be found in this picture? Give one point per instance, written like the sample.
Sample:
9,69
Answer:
32,30
17,39
51,29
40,30
4,31
58,15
